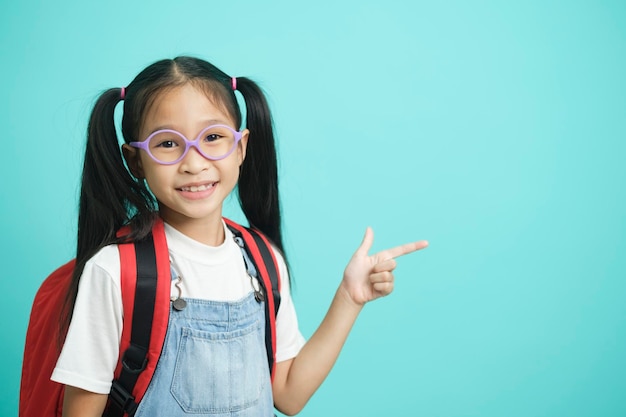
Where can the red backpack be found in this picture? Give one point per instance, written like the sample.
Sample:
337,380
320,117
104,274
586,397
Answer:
145,283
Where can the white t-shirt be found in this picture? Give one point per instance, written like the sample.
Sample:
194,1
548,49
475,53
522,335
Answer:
90,353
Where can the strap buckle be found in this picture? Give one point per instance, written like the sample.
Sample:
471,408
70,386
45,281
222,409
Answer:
134,360
122,398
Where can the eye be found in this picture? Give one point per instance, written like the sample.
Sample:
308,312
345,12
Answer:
212,137
166,144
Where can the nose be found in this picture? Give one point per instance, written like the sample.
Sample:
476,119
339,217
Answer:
193,162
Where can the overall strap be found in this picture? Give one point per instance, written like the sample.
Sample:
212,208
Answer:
260,252
145,282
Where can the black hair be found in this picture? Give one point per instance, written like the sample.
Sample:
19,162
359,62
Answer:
111,197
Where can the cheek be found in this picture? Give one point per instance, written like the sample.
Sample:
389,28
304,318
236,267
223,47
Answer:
157,177
229,172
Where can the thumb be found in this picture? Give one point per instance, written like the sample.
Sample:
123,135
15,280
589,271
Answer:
366,244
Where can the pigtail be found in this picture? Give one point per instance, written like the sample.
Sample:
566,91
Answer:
109,196
108,193
258,178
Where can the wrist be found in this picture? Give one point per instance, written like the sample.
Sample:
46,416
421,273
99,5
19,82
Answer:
343,296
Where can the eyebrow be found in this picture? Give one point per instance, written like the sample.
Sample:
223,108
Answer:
205,123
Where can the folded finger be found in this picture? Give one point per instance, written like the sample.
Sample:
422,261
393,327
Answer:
385,276
386,265
384,288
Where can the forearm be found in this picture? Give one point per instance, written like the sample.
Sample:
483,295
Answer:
81,403
365,278
310,367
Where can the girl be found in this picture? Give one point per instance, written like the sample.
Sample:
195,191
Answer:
167,106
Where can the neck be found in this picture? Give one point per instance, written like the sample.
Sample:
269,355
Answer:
206,231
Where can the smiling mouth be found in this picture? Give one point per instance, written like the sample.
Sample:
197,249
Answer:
198,188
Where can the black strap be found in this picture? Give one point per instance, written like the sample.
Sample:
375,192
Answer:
272,270
134,359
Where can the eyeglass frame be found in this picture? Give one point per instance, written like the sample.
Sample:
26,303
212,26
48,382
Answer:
188,144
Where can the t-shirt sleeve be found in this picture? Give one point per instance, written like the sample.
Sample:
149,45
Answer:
91,349
289,340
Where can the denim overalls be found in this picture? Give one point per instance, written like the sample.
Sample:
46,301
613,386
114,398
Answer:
213,363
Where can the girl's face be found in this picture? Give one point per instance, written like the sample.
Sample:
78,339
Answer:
191,192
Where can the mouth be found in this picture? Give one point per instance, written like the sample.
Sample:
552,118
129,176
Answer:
197,188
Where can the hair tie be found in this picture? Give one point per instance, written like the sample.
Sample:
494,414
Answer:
233,83
123,93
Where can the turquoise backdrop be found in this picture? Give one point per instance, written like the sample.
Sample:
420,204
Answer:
494,129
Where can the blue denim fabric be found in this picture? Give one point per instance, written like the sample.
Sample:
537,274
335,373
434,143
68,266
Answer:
213,363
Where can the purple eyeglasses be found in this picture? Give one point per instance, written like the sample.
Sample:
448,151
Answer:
168,147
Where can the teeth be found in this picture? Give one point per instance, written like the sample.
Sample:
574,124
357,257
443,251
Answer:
195,189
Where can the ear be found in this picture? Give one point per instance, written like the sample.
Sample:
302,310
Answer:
242,146
131,156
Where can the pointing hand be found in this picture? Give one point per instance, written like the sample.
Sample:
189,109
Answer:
366,277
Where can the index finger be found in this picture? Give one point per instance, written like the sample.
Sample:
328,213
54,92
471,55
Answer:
402,249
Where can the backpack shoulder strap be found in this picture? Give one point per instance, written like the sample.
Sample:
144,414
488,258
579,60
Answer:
145,282
259,250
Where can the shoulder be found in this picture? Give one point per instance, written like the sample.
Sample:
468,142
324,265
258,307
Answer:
104,264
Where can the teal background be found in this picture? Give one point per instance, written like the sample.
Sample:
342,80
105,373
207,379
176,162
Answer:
496,130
